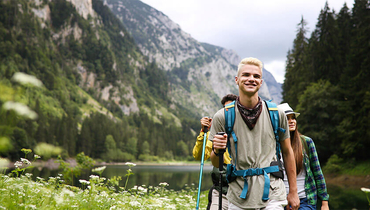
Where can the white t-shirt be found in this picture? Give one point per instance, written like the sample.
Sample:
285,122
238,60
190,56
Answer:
300,182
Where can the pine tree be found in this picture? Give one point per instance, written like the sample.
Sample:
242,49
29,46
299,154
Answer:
325,59
85,138
295,82
344,35
355,86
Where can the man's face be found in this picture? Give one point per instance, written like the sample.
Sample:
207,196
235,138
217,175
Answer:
249,79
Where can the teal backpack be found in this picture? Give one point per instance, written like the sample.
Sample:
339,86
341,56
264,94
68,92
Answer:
275,168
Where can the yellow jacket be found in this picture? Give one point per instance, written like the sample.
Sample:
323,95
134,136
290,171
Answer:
197,150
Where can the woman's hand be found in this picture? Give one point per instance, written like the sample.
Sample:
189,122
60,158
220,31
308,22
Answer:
206,122
324,205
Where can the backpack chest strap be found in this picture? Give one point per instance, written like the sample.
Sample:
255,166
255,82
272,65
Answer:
256,172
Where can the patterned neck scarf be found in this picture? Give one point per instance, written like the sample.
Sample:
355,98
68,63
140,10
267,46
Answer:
250,116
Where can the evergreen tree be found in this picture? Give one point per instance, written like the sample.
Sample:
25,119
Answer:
355,86
42,123
295,80
182,149
145,148
131,146
62,134
319,117
85,138
344,36
326,63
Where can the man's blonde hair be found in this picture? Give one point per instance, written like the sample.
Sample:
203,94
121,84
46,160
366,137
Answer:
250,61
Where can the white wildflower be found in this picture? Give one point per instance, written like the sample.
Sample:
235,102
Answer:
58,199
104,194
135,204
163,184
93,177
171,206
130,164
37,156
82,181
67,192
142,189
31,206
28,175
18,164
25,161
20,109
99,169
366,190
26,79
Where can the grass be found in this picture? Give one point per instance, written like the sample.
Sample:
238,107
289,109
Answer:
337,165
359,169
23,193
19,191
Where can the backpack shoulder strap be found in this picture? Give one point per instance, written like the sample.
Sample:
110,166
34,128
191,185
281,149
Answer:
229,117
274,117
229,126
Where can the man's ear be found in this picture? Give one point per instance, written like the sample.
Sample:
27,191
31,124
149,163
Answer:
236,80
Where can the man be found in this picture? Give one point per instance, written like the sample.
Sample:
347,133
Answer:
213,196
256,145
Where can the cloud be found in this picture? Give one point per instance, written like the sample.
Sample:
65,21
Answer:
262,29
277,68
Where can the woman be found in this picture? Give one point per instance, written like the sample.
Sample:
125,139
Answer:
310,179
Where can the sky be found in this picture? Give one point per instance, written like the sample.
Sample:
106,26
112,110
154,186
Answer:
262,29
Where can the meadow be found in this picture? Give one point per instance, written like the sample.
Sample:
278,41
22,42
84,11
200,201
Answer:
19,191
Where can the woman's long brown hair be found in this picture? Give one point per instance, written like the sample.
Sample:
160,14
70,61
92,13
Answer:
296,143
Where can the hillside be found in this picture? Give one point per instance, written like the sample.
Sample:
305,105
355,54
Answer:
202,73
101,95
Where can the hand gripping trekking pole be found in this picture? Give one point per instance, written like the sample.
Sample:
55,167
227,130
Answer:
220,168
202,163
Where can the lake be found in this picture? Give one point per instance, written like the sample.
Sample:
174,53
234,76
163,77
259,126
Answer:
177,176
343,196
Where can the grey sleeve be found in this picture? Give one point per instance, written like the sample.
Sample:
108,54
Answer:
283,123
218,123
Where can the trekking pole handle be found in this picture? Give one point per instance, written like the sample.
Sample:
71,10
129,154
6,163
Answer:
221,154
205,130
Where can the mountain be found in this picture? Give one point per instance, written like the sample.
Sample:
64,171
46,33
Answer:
100,94
105,92
210,68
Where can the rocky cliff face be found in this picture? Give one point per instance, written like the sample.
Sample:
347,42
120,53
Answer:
210,69
200,73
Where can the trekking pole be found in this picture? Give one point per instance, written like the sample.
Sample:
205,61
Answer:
201,165
220,168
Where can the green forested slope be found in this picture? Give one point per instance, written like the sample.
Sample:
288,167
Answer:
74,113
